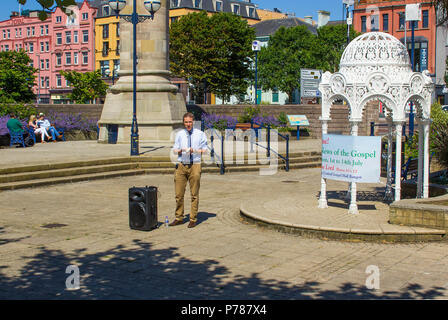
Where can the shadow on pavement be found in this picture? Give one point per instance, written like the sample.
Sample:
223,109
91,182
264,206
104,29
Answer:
142,272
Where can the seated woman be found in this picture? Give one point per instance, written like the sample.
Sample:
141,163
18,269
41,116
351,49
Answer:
33,124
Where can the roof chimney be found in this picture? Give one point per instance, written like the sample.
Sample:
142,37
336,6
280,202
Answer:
322,18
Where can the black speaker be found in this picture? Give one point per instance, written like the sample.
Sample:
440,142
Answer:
143,208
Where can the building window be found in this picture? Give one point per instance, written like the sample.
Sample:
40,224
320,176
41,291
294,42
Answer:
42,64
58,38
46,30
117,29
33,31
219,6
85,58
117,50
58,81
116,67
9,34
85,16
106,11
68,37
75,58
236,9
6,47
47,82
425,19
251,12
105,48
85,36
197,3
42,82
28,31
67,83
68,58
42,47
75,36
47,62
58,59
42,32
175,3
374,23
275,95
58,19
104,65
31,47
386,22
363,24
401,20
173,19
105,31
47,46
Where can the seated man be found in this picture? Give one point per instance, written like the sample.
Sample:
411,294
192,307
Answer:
14,125
44,123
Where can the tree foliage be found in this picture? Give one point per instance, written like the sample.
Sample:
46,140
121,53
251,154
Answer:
288,50
291,49
16,76
212,51
87,86
49,6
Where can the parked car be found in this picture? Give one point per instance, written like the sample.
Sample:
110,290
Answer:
445,107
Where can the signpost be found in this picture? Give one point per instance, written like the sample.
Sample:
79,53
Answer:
298,120
309,83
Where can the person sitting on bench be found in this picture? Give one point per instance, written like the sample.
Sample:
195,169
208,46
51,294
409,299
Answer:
15,126
33,125
44,123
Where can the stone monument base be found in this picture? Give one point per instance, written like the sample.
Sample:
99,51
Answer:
159,114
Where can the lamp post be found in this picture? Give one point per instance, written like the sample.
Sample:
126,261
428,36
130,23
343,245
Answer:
151,6
349,20
39,82
256,48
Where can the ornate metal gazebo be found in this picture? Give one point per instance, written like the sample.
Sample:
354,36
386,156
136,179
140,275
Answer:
376,66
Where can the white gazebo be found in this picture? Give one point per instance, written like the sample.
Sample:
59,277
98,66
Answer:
376,66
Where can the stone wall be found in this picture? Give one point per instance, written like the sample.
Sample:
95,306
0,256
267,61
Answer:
339,114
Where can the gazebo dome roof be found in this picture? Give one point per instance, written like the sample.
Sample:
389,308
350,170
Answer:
375,49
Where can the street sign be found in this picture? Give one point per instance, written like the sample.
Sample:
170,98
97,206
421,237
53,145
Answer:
256,46
309,83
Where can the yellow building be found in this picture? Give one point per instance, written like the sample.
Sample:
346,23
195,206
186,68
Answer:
107,43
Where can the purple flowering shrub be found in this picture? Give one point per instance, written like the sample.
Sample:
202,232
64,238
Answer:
218,122
67,121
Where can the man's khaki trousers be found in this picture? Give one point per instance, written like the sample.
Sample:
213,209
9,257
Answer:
192,175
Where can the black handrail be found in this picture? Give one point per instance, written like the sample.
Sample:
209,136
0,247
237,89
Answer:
212,148
268,149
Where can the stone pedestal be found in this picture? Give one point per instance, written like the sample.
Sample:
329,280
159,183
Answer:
160,106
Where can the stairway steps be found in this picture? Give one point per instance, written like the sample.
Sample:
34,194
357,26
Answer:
59,180
56,173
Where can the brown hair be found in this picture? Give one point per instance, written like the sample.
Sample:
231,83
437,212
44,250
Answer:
188,115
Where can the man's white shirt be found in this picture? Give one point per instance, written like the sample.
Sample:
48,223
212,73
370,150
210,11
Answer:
198,141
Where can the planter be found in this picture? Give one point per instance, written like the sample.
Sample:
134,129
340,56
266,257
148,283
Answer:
79,135
4,140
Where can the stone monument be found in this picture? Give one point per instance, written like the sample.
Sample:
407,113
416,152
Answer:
160,106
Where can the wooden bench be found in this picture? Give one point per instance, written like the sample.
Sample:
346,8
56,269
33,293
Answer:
411,168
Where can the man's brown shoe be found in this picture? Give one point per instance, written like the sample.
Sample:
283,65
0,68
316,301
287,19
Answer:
192,224
176,223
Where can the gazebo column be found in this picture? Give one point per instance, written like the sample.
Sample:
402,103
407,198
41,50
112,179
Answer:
323,183
426,124
398,130
388,194
421,139
353,206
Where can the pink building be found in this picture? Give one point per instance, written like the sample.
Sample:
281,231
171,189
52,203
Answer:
58,43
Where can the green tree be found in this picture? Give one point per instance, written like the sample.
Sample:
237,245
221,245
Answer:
16,76
49,6
212,53
87,86
332,40
288,50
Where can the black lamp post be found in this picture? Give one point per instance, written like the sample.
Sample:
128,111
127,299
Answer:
152,6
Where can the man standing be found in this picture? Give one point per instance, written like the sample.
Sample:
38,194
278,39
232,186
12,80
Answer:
189,144
44,123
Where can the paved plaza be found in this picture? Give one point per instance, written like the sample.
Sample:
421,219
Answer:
86,224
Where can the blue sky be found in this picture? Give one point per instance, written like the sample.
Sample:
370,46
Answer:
300,7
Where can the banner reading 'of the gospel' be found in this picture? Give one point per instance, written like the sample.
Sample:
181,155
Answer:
351,158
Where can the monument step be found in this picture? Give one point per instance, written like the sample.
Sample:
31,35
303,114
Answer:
65,172
59,180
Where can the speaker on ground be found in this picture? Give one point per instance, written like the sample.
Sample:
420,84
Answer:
143,208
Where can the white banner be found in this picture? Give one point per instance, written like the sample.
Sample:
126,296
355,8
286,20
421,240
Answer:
351,158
